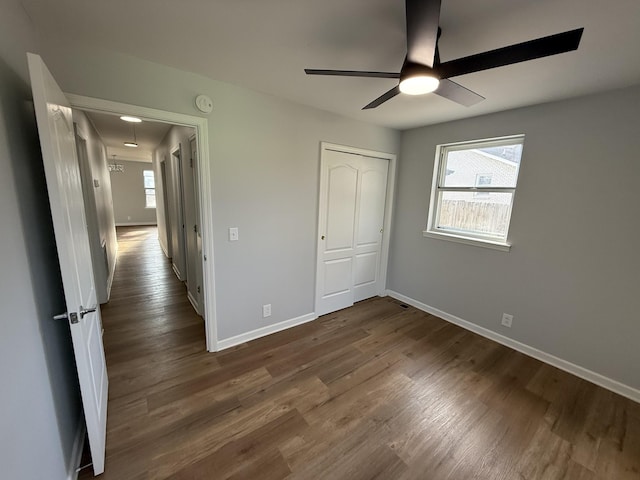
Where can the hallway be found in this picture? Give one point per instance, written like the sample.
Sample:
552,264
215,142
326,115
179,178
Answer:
152,336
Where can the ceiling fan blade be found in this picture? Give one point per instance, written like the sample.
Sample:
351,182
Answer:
383,98
351,73
521,52
457,93
423,19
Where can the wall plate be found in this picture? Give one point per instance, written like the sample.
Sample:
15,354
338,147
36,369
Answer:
204,104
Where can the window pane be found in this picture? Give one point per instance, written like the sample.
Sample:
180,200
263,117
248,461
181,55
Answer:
482,167
151,201
150,191
149,179
466,212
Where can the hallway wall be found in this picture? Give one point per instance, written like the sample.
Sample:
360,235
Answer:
128,195
98,207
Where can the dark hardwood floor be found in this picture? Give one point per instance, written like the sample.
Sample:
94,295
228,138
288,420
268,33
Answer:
379,390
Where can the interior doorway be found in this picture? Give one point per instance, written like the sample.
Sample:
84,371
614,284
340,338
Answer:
190,170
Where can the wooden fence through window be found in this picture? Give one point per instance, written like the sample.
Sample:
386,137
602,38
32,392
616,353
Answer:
474,216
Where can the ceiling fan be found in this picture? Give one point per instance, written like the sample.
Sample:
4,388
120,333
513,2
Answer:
422,71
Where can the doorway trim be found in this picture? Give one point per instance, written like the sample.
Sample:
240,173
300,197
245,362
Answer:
388,209
182,267
205,182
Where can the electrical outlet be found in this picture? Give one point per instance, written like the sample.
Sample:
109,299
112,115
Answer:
266,310
507,320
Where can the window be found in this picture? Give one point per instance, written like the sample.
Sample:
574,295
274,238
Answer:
149,188
473,189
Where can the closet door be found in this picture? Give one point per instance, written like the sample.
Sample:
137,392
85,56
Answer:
371,200
351,217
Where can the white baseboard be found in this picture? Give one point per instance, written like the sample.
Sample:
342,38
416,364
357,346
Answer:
177,272
593,377
164,249
136,224
194,303
264,331
76,451
112,273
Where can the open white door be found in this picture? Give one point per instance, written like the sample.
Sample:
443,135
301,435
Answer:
55,126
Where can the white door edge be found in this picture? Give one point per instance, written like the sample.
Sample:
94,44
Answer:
205,183
388,211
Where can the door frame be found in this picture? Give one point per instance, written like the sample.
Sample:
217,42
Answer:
168,250
388,209
205,201
197,300
182,268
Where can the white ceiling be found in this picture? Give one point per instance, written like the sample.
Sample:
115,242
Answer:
265,45
114,132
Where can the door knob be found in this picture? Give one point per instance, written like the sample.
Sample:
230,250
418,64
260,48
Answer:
322,237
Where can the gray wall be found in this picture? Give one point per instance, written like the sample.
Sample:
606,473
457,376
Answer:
265,169
128,195
98,206
571,279
39,404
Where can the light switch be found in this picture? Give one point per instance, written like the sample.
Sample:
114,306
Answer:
233,234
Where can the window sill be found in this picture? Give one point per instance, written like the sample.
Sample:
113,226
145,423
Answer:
503,247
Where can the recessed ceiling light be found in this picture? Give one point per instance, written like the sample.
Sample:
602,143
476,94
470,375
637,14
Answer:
130,144
127,118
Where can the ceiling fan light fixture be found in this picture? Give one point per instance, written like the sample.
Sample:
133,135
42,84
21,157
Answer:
419,84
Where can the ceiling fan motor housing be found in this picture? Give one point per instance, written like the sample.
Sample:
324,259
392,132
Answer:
411,69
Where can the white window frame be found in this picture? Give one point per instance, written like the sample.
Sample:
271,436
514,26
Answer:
144,187
488,241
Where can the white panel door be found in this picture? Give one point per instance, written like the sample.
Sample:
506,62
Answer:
351,218
338,198
55,126
372,188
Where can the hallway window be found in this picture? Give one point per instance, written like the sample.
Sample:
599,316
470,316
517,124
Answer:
149,188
